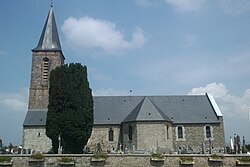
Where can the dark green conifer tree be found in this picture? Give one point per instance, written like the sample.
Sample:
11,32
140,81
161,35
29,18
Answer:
70,109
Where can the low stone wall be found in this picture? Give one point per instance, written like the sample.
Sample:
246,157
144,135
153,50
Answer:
125,160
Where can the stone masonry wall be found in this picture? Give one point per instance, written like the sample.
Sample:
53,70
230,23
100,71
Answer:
195,136
146,136
34,138
151,136
100,134
38,97
219,134
126,160
131,145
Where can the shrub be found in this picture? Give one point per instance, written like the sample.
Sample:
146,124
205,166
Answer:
186,159
67,159
37,156
244,159
5,159
156,155
216,156
244,150
100,156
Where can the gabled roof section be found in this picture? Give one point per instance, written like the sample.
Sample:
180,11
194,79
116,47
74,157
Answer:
146,111
113,109
35,118
187,109
214,104
49,40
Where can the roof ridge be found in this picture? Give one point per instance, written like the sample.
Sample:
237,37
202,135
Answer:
161,112
146,110
134,113
147,100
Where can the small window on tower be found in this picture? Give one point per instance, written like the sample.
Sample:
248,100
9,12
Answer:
45,70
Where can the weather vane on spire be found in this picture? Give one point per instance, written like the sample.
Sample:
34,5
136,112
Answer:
51,3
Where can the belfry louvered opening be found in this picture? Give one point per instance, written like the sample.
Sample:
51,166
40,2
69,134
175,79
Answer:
45,70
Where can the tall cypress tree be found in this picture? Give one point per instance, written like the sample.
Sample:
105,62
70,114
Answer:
70,109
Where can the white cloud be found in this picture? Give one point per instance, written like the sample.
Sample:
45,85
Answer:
217,90
14,101
110,92
87,32
235,7
234,108
186,5
13,107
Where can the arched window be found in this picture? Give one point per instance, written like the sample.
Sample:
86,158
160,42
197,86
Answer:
130,132
111,134
45,70
208,132
179,132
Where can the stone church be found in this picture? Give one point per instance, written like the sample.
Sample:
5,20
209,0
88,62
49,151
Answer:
128,123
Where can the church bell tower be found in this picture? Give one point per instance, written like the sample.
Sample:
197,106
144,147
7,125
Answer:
45,57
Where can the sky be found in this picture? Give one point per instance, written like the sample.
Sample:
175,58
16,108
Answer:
151,47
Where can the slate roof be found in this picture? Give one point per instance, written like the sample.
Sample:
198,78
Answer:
49,40
113,110
178,109
35,118
146,111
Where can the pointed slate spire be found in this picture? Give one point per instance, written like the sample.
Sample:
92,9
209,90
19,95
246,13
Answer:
49,40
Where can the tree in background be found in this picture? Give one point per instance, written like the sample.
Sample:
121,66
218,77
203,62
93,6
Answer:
1,144
70,109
